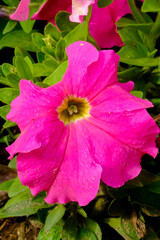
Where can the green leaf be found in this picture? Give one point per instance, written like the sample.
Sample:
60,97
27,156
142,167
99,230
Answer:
78,33
155,101
57,75
143,195
9,81
22,53
8,94
7,68
5,81
138,94
16,188
81,211
115,223
13,163
154,187
131,37
23,204
12,79
94,227
38,39
45,68
131,52
49,51
18,38
54,217
151,6
29,63
23,69
85,234
142,62
12,3
63,22
54,234
51,30
9,26
70,229
9,124
129,225
60,49
40,57
129,73
28,24
6,185
4,110
150,211
104,3
125,22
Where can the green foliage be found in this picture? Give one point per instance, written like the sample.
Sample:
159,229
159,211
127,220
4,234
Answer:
151,6
54,217
104,3
9,26
8,94
23,204
40,56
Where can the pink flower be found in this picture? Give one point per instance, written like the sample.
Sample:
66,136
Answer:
22,12
85,128
102,25
50,8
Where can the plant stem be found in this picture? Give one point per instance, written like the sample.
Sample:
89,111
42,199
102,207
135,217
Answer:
135,12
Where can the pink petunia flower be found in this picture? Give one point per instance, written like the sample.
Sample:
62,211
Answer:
85,128
49,9
102,25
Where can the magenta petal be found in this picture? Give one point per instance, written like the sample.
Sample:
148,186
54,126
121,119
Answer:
78,64
118,161
50,8
95,70
102,25
22,12
115,98
80,9
79,176
136,129
39,168
35,135
35,102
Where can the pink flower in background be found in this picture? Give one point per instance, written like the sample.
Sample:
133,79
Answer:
22,12
85,128
49,9
102,23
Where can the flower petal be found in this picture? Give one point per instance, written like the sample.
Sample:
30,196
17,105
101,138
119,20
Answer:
118,161
38,168
35,135
50,8
80,9
35,102
95,70
22,12
115,98
106,34
79,175
136,129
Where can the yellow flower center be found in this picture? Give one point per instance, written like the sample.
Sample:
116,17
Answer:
73,109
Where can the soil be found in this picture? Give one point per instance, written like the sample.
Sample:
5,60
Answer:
18,229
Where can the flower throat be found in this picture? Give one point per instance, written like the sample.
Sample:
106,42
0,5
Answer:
73,109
